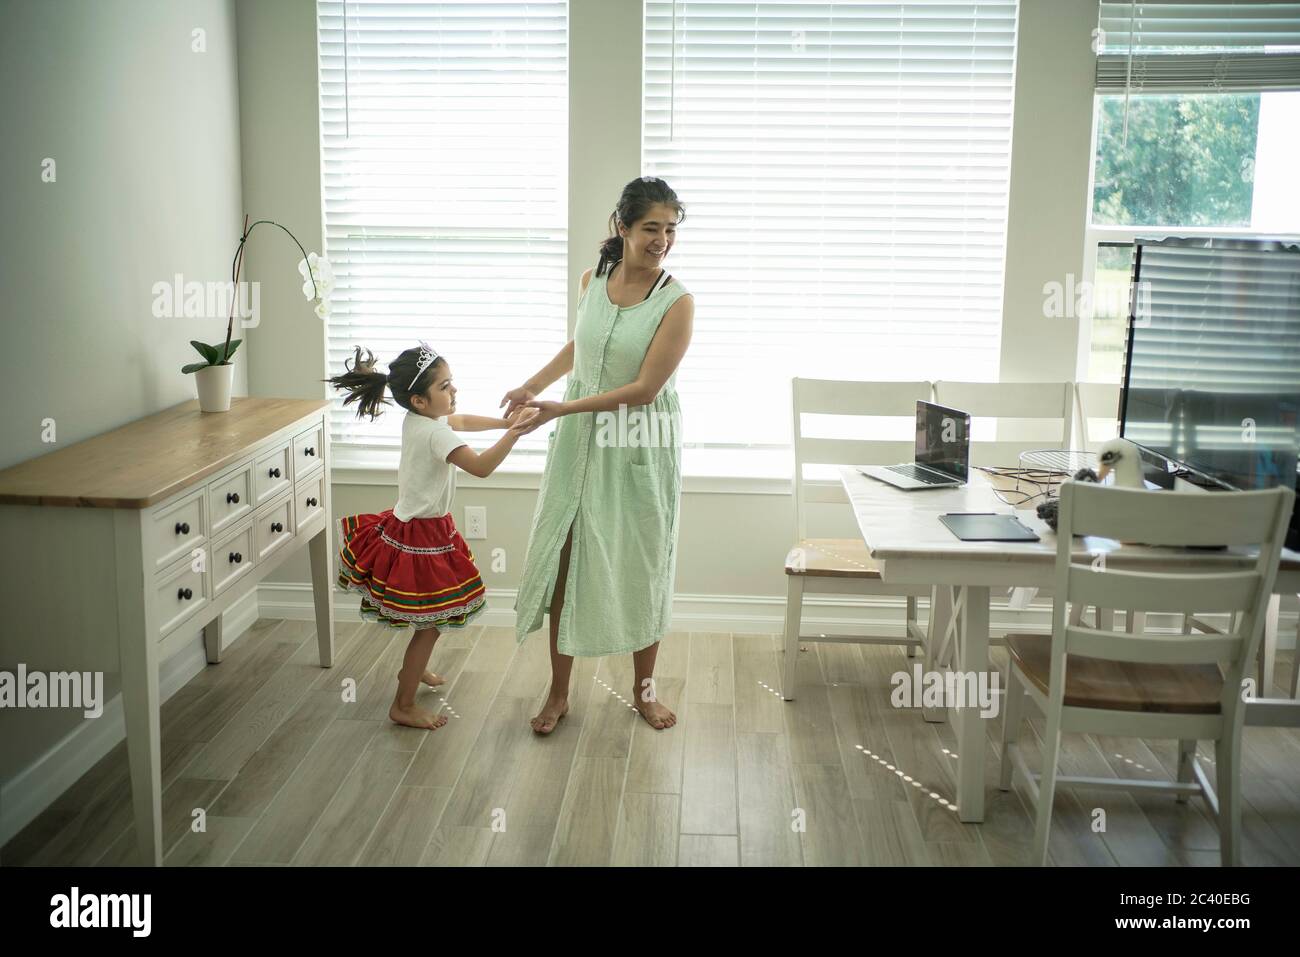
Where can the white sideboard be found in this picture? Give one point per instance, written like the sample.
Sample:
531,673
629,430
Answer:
133,539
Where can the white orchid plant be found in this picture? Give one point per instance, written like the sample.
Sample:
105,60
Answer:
318,283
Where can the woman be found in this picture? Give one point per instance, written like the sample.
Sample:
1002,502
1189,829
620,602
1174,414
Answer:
602,551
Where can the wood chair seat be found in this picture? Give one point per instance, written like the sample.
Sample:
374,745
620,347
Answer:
1121,685
832,558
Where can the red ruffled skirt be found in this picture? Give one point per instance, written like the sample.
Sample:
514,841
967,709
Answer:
418,573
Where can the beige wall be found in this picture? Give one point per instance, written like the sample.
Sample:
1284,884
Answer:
144,135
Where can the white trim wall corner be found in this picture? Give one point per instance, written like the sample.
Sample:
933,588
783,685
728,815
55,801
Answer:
1049,200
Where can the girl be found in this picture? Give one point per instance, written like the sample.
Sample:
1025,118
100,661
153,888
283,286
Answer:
409,562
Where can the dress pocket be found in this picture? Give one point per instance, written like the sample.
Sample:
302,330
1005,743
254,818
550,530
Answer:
646,502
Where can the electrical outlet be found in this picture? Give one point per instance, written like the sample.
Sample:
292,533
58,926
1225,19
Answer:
476,521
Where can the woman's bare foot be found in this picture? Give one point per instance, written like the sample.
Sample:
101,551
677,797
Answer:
550,715
656,715
414,717
433,680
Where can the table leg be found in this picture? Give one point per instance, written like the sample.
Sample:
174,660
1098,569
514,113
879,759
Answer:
322,586
140,703
973,657
937,627
212,640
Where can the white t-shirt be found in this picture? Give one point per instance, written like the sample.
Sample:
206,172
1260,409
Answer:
426,481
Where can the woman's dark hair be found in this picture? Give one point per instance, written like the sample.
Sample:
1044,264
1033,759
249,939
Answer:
638,196
366,387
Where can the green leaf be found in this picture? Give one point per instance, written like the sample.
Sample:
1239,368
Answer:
194,367
208,352
234,344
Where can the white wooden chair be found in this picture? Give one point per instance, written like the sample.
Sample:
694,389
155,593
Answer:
1048,411
1097,406
1049,406
1144,684
843,566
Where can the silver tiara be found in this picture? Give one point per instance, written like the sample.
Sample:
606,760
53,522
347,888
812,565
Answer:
427,358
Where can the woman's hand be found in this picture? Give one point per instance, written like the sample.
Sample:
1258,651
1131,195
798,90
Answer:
516,398
545,412
522,422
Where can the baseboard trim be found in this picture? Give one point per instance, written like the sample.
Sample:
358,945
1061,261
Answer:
739,614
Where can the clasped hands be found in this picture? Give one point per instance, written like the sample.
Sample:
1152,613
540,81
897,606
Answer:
526,412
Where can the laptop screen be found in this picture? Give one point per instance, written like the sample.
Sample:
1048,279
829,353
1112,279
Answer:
942,439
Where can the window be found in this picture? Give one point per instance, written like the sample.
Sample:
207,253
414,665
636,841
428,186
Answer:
1197,126
439,223
845,169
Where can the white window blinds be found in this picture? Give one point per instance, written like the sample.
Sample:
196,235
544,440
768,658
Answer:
444,134
844,167
1159,46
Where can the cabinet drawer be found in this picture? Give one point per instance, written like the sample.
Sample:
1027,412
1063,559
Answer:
274,526
230,499
179,529
309,498
271,474
307,451
179,592
232,556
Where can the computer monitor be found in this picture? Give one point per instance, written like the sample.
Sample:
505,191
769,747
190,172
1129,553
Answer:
1212,371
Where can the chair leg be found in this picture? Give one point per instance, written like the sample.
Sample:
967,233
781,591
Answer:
1186,753
909,619
1295,661
1227,768
1047,786
1012,711
793,622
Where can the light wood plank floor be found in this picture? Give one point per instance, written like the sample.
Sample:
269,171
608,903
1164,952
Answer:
285,771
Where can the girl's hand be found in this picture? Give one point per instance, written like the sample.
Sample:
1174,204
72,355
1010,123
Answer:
513,417
545,412
516,398
522,422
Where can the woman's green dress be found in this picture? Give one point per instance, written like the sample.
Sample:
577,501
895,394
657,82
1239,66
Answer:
616,478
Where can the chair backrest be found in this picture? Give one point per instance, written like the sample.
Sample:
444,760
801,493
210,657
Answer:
1196,583
1050,403
842,397
1097,402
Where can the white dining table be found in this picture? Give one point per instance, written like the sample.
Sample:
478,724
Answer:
904,535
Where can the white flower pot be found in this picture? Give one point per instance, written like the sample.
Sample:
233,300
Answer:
213,383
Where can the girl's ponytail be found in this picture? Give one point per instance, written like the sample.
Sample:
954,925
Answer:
364,385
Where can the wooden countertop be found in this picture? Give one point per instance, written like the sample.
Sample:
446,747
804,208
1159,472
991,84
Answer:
150,459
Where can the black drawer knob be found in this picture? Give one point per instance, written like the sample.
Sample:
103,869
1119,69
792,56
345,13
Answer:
309,451
182,528
232,498
277,527
236,558
311,503
185,593
274,473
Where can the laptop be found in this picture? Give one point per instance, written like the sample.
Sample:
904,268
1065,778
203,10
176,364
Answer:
942,452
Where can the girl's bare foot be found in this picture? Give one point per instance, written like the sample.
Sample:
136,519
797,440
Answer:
550,715
433,680
414,717
656,715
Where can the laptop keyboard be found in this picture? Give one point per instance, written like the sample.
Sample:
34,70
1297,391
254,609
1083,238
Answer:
921,475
